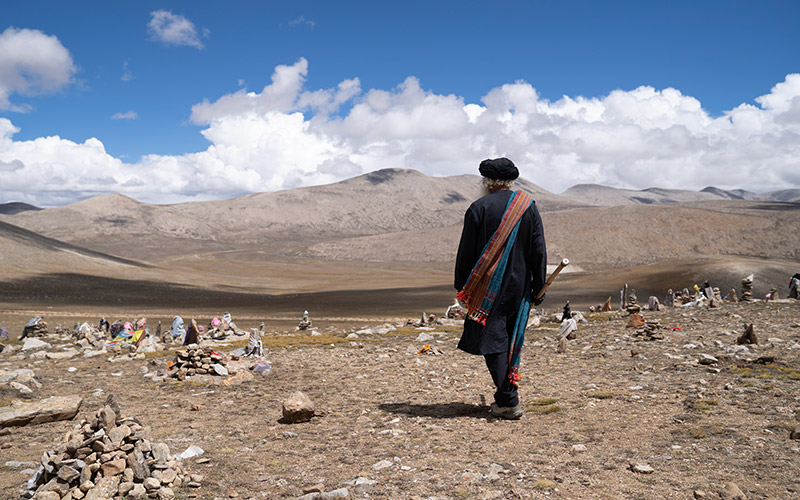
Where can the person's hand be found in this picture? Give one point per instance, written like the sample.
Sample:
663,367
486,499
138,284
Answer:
538,301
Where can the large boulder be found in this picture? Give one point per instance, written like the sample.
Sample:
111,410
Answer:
37,412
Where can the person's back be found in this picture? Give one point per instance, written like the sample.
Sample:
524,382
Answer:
500,267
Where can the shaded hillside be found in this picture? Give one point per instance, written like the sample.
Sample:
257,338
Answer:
25,252
16,207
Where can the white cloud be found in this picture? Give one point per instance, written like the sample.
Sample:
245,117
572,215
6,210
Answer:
303,21
174,29
127,74
288,136
130,115
31,63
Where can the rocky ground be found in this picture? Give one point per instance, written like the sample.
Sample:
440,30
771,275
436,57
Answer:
615,416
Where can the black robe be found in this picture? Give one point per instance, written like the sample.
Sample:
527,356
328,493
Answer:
526,268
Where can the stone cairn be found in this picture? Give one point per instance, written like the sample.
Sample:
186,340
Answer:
108,457
747,289
196,360
36,327
632,306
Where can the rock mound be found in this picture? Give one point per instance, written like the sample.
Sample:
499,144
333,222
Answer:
109,456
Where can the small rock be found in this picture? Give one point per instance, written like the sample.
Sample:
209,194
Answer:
424,337
151,483
298,408
578,448
125,488
641,468
317,488
382,465
138,492
166,494
190,452
113,467
795,433
48,495
363,485
707,359
732,492
340,493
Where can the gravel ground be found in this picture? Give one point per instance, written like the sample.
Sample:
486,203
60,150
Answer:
418,426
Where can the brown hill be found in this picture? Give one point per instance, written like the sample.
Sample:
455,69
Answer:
25,252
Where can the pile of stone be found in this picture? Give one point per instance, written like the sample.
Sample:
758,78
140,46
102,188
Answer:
632,305
747,289
651,330
86,335
36,327
108,457
197,360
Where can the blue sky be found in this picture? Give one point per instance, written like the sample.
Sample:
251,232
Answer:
720,54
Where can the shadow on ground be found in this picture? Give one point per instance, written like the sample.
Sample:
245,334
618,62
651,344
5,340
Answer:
439,410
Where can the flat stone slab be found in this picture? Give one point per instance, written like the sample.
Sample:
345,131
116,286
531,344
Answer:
38,412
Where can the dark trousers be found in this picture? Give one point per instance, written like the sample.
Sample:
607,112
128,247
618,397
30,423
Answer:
506,394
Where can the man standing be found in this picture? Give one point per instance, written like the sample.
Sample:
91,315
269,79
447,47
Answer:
501,265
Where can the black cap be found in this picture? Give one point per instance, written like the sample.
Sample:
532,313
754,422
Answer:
499,169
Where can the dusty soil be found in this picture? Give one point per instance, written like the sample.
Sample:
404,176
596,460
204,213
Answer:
698,426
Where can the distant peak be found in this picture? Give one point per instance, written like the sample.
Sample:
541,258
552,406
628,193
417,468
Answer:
388,174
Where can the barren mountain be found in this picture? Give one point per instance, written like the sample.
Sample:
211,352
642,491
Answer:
282,222
595,194
394,228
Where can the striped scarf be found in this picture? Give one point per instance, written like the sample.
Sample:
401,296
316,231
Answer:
483,285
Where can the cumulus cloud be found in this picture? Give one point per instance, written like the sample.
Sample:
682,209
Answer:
287,136
31,63
130,115
174,29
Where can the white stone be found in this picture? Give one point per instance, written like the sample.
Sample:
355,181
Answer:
32,344
381,465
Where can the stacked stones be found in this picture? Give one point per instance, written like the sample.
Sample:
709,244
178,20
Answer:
109,457
36,327
196,360
633,306
747,289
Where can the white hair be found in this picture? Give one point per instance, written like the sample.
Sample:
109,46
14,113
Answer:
495,184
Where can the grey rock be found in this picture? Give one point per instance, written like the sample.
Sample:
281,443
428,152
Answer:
219,369
340,493
33,344
641,468
160,452
137,462
363,485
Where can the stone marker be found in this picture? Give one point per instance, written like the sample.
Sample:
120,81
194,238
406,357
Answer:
38,412
298,408
748,337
